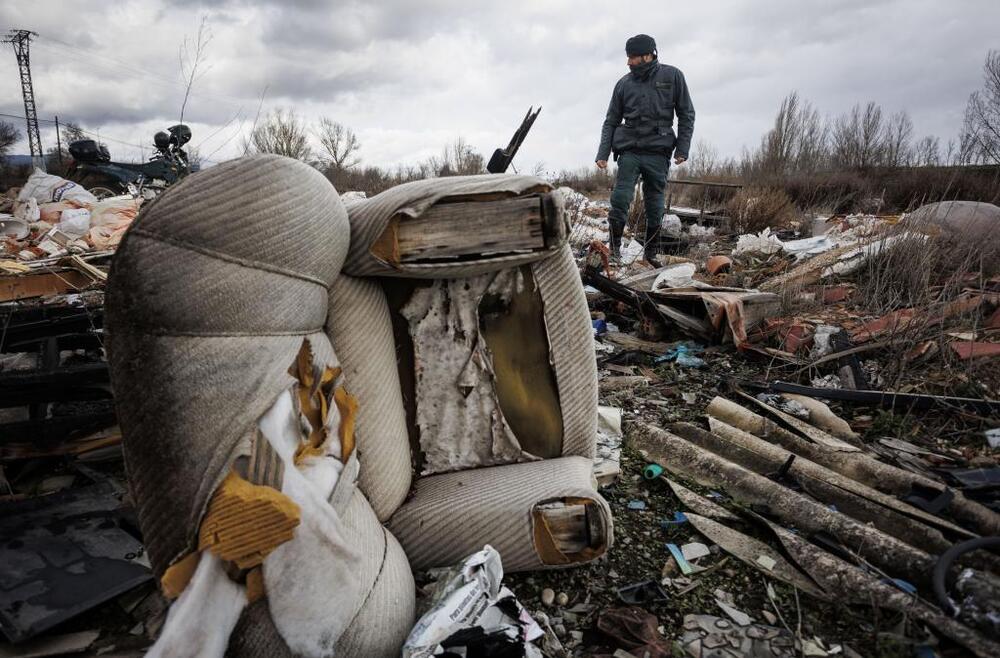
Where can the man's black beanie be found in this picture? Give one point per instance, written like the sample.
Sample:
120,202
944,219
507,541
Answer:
640,44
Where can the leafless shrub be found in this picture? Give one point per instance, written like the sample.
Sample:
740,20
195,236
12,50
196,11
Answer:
587,179
753,209
899,276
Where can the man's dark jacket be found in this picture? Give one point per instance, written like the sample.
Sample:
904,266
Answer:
647,104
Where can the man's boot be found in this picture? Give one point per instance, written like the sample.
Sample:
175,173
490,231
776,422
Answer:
652,245
615,242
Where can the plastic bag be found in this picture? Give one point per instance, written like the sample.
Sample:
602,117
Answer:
761,243
46,188
74,222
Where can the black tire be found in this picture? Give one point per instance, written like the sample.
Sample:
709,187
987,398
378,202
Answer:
100,186
102,192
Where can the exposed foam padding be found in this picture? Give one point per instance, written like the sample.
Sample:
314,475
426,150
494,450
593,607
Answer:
452,515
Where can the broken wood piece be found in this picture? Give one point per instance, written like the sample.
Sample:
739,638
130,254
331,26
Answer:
630,342
680,456
856,466
77,263
847,582
42,284
452,230
567,531
748,550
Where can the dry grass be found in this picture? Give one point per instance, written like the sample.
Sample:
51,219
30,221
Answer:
755,208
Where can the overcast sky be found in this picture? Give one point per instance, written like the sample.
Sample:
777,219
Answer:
409,76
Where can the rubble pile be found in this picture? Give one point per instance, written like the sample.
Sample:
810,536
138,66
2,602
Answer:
783,422
386,426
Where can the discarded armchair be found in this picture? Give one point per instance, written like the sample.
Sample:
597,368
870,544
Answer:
317,399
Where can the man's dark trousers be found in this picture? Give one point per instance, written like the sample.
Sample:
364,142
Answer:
653,169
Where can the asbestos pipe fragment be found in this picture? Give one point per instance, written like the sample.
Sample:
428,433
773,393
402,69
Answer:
761,457
814,434
849,583
680,456
779,455
823,417
855,465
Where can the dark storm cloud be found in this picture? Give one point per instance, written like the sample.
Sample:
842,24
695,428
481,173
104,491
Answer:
409,76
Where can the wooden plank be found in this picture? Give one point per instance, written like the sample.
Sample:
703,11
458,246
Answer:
23,286
451,230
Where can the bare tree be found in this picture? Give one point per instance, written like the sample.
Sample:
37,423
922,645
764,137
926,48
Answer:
340,143
191,58
898,132
927,152
859,138
9,135
812,150
72,132
796,141
705,160
980,139
282,133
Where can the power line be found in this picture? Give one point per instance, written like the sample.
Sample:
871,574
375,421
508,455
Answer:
118,66
87,132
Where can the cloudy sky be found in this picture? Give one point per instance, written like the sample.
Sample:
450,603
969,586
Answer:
410,76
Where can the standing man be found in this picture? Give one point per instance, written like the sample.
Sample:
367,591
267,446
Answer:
647,99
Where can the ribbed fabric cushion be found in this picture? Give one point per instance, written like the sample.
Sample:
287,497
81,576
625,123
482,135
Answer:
370,217
360,327
571,340
211,293
453,514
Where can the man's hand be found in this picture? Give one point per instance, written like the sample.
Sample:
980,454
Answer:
602,164
680,159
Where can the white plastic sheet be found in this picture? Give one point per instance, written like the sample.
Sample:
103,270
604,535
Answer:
761,243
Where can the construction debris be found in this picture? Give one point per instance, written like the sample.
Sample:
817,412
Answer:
775,431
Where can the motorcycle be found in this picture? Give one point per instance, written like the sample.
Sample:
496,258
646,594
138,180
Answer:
93,169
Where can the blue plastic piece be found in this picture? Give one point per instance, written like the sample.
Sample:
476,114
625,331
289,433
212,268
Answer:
679,518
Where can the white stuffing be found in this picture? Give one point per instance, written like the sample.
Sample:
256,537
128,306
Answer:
203,616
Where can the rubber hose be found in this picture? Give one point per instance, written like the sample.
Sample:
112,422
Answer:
947,559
